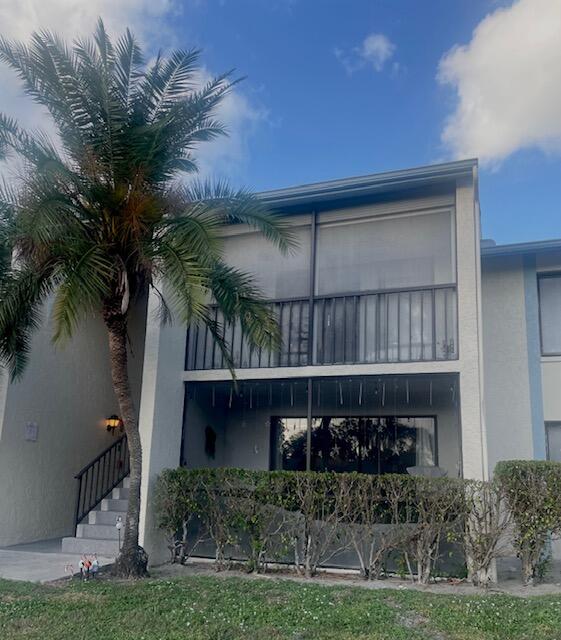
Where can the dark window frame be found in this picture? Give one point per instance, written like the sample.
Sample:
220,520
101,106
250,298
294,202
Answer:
545,276
548,424
273,452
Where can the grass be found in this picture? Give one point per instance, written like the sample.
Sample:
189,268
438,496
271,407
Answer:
231,608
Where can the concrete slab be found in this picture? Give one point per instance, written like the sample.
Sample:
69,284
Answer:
40,562
54,545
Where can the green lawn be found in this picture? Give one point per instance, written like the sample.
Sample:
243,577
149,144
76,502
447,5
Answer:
231,608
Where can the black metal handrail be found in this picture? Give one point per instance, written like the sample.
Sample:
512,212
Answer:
413,324
99,477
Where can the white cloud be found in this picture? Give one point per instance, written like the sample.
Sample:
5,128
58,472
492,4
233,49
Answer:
153,23
508,83
227,157
78,17
374,51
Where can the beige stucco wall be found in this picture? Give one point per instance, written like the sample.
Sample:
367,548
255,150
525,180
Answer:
161,411
67,391
474,438
506,360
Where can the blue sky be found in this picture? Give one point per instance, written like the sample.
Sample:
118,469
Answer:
338,88
323,121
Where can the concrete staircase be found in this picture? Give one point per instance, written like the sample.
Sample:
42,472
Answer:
97,533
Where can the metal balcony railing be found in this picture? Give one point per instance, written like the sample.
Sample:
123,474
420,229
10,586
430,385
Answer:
410,325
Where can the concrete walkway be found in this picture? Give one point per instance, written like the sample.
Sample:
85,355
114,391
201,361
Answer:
40,562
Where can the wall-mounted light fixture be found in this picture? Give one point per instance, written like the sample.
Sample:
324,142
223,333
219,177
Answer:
114,423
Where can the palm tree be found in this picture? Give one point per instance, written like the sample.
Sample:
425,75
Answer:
100,215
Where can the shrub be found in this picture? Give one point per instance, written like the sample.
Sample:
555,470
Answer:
487,524
262,515
263,519
533,492
322,502
431,511
178,507
226,500
318,515
369,527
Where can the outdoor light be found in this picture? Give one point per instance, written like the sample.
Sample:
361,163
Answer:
119,526
113,423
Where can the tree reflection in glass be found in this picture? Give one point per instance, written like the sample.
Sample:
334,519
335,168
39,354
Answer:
364,444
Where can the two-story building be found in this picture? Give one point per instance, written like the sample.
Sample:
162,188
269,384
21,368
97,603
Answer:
409,345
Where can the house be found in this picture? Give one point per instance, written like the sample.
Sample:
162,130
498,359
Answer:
409,345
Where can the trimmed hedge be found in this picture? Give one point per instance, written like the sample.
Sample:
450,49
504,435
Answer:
533,491
311,517
268,516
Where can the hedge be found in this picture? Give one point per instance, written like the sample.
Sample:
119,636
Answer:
533,491
309,517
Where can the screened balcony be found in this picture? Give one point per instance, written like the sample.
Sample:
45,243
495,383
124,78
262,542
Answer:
398,326
361,289
368,424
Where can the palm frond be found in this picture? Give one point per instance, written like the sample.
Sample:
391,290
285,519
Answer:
128,63
239,299
36,149
197,230
48,215
83,281
49,74
103,212
185,280
159,142
240,206
22,293
171,79
97,68
9,203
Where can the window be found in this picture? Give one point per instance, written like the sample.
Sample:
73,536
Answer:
385,253
553,435
372,444
549,288
376,445
288,443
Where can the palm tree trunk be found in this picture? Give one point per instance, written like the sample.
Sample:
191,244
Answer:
132,560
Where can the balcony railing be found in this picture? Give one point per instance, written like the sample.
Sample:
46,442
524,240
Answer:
412,325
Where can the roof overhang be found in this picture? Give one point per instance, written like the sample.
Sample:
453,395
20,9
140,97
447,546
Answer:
521,248
363,188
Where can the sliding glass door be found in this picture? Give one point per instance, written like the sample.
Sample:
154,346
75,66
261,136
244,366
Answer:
371,444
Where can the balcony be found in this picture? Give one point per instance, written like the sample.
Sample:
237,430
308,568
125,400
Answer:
401,325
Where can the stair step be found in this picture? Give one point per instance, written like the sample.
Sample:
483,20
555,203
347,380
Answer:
127,483
110,504
97,531
120,493
109,548
105,517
